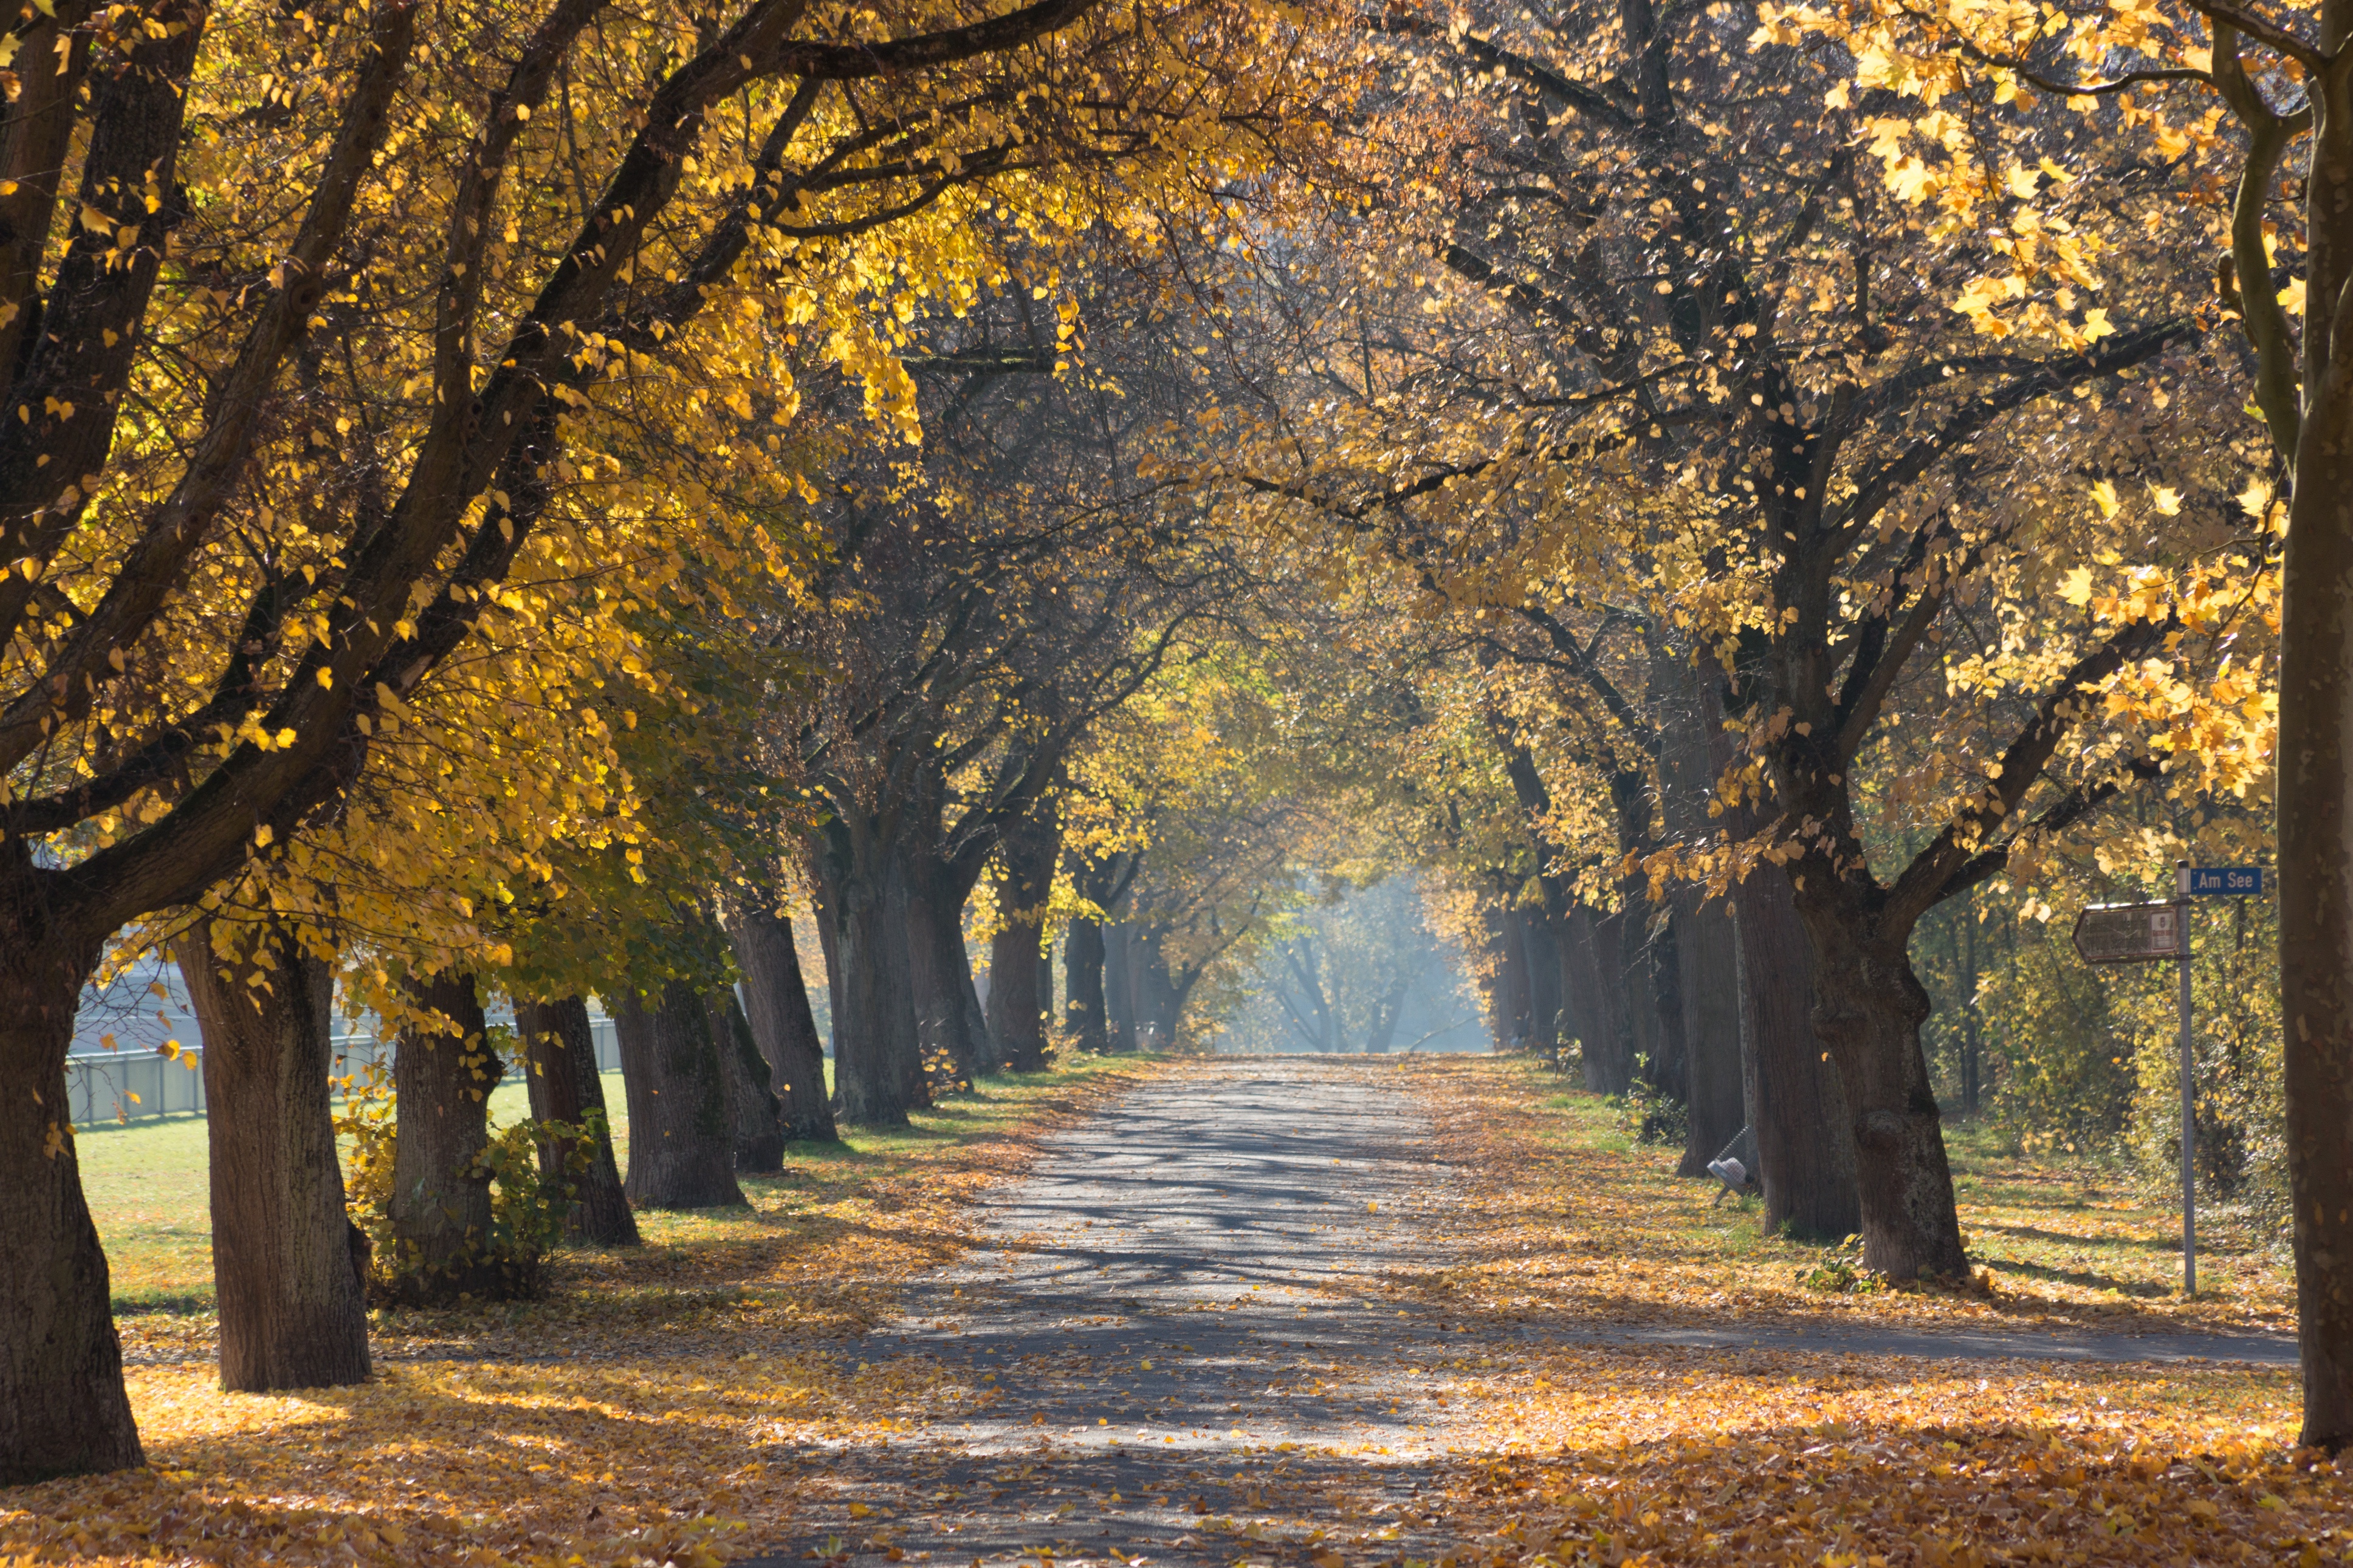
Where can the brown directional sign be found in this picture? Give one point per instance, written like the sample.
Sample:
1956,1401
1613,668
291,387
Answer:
2129,933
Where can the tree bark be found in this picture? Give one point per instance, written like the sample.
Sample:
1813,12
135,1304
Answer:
755,1116
776,1001
877,1057
1599,947
1082,979
1707,948
560,1067
682,1149
1868,1008
444,1241
1518,995
1017,1008
1157,1003
954,1043
291,1293
1119,983
62,1405
1804,1149
1544,981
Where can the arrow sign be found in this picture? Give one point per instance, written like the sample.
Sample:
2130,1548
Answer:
2129,933
2226,881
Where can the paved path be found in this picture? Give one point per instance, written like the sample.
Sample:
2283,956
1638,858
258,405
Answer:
1181,1308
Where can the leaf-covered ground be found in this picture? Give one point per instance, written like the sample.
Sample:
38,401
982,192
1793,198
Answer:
1316,1313
1574,1218
608,1423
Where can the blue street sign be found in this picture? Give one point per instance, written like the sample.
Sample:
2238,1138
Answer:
2229,881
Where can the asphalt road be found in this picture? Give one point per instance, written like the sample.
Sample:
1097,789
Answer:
1182,1312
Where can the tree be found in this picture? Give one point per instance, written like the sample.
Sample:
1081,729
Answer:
1642,406
354,403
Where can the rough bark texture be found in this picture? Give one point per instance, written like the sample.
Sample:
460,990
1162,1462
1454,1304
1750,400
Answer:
877,1069
755,1116
1017,1005
2316,783
954,1036
441,1206
62,1407
292,1300
1868,1008
776,1001
559,1053
682,1149
1804,1151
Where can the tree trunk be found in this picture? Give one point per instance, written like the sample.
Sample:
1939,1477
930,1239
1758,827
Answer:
2315,813
1518,995
1082,979
1157,1001
1544,981
1017,1009
1600,946
1868,1008
777,1003
1804,1149
291,1287
682,1149
954,1044
878,1069
560,1065
1119,983
754,1117
1706,947
445,1246
1709,959
62,1405
1668,1069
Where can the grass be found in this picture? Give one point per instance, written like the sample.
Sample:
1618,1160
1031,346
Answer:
148,1189
1607,1227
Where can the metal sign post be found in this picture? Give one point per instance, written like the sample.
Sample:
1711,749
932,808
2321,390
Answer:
2142,933
2189,1096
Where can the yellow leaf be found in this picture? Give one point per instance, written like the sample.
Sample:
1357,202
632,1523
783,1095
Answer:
2105,494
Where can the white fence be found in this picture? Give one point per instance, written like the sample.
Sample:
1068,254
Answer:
133,1085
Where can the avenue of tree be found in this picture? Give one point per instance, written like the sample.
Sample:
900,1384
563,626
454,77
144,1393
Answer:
1723,516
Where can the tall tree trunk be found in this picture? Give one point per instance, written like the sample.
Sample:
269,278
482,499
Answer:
829,946
1710,957
1804,1149
948,1020
62,1405
1544,981
1668,1070
1600,944
444,1242
1157,1001
1868,1009
560,1061
1083,980
1017,1008
682,1144
777,1003
1518,995
877,1071
1119,983
290,1284
1707,948
755,1116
